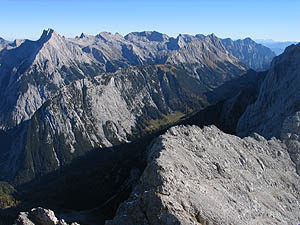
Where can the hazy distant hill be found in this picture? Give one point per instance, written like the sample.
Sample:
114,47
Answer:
276,46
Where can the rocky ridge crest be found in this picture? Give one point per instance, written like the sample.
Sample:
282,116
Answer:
204,176
40,216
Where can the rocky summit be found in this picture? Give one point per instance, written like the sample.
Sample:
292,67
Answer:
40,216
204,176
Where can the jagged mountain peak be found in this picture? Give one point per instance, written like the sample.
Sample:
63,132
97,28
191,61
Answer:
212,38
49,34
275,113
248,39
288,57
150,35
83,35
3,43
186,37
200,36
17,42
108,36
212,35
292,47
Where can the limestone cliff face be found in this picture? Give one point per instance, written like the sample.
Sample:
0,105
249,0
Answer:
275,112
204,176
105,111
278,97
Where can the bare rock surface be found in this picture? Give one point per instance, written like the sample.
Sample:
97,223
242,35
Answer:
290,134
40,216
278,97
204,176
275,113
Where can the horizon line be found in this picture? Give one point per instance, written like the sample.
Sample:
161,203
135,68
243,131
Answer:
35,38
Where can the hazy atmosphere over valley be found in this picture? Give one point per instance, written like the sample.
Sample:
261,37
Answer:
149,112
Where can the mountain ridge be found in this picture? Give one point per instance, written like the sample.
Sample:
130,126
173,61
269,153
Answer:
37,69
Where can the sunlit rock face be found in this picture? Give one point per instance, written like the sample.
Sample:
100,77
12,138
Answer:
204,176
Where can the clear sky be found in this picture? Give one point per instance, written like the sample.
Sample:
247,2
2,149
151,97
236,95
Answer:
264,19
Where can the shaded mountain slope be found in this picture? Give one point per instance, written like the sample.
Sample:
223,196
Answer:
278,97
108,110
275,113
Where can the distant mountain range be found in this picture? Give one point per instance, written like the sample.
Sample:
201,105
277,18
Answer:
41,67
57,87
276,46
64,99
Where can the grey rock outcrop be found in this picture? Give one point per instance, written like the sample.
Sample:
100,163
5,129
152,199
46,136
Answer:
204,176
40,216
278,98
290,134
275,112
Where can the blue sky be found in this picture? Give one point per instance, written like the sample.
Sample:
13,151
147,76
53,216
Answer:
264,19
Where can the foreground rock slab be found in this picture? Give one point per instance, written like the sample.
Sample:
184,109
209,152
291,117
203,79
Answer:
204,176
40,216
